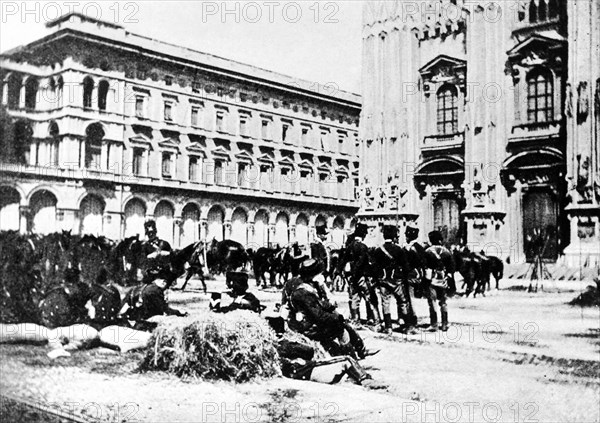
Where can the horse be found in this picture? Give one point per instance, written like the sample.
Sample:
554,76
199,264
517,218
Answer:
262,263
192,255
127,261
224,256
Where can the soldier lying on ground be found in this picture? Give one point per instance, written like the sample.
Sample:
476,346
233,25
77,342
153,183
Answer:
297,362
145,301
316,317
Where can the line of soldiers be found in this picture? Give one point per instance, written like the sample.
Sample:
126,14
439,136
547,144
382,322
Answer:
399,272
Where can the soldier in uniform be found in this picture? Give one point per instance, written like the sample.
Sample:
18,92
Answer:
359,285
242,299
312,314
319,251
439,278
157,253
392,268
147,300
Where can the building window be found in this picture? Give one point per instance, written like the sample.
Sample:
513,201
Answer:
193,169
243,125
242,175
138,161
540,105
102,94
194,116
31,90
167,164
304,136
88,88
284,131
139,107
220,124
447,110
266,129
168,111
93,146
218,172
168,80
324,140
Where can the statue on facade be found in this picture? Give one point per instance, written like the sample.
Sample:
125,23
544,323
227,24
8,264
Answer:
582,102
583,186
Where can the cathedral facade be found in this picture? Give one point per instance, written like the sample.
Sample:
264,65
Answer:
484,118
104,129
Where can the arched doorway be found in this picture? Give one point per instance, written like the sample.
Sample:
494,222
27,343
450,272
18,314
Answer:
10,219
216,230
261,228
189,228
135,215
91,213
540,224
338,236
43,212
281,229
163,214
302,230
239,221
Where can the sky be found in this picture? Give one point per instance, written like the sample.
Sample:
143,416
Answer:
317,41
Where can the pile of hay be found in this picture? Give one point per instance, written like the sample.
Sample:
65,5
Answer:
237,346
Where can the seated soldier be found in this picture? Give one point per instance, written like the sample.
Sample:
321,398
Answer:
242,299
316,317
147,300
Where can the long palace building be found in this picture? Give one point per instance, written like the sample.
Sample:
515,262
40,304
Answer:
483,120
105,129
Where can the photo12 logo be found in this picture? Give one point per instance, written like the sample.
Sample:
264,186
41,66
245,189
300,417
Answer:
47,11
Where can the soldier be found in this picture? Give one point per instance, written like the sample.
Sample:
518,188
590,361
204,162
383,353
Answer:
157,253
319,251
147,300
319,319
359,286
439,278
242,299
392,266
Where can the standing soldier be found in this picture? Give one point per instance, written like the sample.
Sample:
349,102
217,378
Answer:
415,255
157,252
359,286
439,278
392,267
318,250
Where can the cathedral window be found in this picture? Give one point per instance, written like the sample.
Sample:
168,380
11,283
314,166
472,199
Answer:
447,110
540,105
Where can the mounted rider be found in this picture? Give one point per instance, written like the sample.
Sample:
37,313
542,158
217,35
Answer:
359,284
392,269
439,278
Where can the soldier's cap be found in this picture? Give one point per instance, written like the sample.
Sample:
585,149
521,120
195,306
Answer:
238,281
361,230
309,268
150,224
322,230
435,237
390,232
411,232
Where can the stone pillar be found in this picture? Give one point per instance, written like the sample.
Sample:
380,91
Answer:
583,133
24,219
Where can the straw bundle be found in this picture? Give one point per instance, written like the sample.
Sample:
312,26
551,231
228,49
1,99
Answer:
238,346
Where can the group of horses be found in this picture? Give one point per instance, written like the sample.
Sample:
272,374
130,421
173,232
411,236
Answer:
62,279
